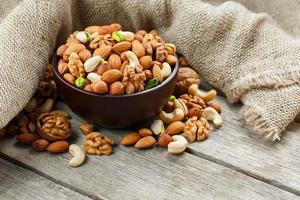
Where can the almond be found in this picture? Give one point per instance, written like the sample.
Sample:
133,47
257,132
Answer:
27,138
156,72
62,67
146,62
61,50
123,56
116,88
175,128
106,29
88,88
145,132
138,48
139,37
115,61
92,29
112,75
99,87
145,142
164,140
121,47
103,51
84,55
75,47
69,78
103,68
195,112
58,147
40,145
130,139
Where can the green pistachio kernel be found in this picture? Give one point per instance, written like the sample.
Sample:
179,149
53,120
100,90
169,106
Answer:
148,36
80,82
88,37
172,98
117,36
151,83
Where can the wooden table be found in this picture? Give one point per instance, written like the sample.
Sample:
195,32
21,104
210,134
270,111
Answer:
231,164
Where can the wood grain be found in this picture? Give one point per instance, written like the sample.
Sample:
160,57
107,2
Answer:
136,174
234,146
19,183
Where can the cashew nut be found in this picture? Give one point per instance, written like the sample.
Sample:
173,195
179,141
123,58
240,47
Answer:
208,96
158,127
211,114
78,155
178,145
133,59
168,118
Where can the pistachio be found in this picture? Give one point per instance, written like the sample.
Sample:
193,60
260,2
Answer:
151,83
93,77
91,64
166,70
80,82
83,37
157,127
117,36
171,48
127,35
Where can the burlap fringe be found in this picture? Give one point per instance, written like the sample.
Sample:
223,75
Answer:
273,81
259,126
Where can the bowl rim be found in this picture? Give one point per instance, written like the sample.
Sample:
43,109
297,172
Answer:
166,81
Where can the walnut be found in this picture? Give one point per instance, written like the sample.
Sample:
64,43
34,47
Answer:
46,89
102,40
53,127
133,79
196,129
75,66
48,73
186,77
193,101
161,53
98,144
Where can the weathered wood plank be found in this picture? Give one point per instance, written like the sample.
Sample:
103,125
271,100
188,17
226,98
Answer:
19,183
153,174
233,145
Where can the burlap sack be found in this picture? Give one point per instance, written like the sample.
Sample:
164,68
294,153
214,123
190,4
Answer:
244,54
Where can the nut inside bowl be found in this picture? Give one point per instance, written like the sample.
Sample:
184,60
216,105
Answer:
115,111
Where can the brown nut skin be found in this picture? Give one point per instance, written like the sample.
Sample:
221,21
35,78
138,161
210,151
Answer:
69,78
146,62
88,88
103,68
175,128
99,87
86,128
215,106
112,75
145,132
164,140
115,61
2,132
130,139
195,112
138,48
61,50
148,74
63,67
171,59
116,88
145,142
40,145
27,138
84,55
186,77
58,147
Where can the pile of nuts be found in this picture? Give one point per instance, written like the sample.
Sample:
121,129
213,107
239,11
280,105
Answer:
107,60
188,113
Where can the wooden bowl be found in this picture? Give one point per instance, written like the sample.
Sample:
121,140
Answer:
115,111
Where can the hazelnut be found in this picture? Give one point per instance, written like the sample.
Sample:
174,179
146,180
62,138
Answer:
146,62
171,59
69,78
195,112
99,87
116,88
215,106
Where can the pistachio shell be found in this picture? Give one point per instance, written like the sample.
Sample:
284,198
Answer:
93,77
91,64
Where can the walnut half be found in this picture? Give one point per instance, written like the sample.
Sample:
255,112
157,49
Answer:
186,77
196,129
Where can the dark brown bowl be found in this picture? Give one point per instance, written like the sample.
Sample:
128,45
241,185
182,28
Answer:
115,111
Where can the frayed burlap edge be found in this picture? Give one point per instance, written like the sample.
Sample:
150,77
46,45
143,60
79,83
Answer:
275,81
258,124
